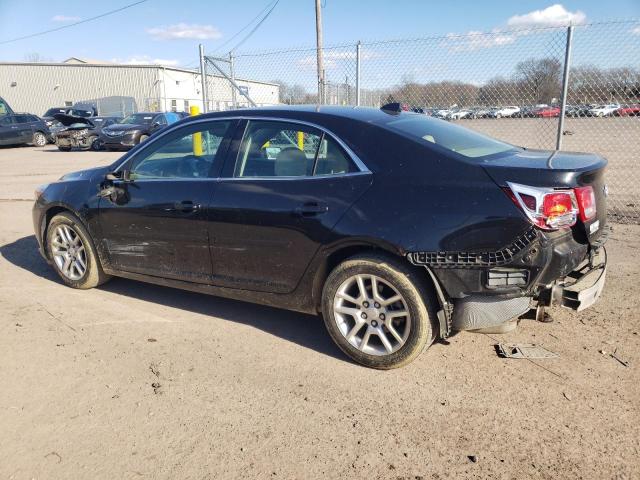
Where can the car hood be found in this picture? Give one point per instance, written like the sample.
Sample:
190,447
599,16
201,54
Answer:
85,174
123,127
68,120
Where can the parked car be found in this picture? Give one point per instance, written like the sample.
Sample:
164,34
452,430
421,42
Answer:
134,129
505,112
481,112
459,113
81,132
428,229
23,129
604,110
546,112
628,110
4,107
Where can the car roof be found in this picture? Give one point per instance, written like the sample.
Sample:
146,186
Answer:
309,112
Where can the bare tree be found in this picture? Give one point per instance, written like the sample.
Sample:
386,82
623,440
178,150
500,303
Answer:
35,57
539,79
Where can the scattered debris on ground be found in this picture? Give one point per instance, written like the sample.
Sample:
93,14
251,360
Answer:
524,350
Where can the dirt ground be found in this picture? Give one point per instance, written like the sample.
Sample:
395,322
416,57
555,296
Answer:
138,381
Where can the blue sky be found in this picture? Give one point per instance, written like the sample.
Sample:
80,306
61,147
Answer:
168,31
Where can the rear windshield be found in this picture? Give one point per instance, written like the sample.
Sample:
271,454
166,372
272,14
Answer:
451,137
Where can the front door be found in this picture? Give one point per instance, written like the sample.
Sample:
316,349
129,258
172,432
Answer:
277,203
156,221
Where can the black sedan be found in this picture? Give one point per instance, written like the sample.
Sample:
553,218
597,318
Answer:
398,228
134,129
23,129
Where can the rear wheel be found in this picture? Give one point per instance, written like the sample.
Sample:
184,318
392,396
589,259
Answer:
73,254
375,309
39,139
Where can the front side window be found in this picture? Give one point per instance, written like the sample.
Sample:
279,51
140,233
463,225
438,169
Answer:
451,137
282,149
189,152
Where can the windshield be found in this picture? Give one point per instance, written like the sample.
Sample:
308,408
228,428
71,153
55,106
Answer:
137,119
452,137
53,111
79,113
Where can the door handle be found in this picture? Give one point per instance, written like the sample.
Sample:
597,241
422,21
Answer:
186,206
311,209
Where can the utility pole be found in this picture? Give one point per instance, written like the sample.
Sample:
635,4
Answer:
319,50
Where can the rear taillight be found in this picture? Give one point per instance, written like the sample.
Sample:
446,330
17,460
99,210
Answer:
547,208
586,203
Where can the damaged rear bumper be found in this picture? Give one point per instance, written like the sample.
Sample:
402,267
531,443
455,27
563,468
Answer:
582,287
490,289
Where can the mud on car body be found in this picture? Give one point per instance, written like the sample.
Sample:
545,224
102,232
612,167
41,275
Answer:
397,228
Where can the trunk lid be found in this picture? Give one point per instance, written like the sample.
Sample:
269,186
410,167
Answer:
559,170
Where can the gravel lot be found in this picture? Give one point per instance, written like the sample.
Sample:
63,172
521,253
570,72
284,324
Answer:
138,381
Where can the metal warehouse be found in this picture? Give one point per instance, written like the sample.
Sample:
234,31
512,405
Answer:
117,89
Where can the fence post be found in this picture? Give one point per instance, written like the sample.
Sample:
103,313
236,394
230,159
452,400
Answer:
234,101
565,86
358,45
203,79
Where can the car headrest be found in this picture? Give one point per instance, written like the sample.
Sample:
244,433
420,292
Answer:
290,162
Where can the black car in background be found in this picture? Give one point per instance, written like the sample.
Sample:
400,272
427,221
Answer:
79,132
398,228
23,129
134,129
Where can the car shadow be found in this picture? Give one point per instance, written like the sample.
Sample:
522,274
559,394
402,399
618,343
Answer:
305,330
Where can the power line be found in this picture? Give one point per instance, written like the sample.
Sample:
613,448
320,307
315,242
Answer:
73,24
256,27
246,26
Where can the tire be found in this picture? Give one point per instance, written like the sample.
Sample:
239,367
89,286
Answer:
143,138
91,140
39,139
64,149
96,146
65,229
397,278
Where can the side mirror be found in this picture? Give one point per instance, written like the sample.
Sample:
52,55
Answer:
123,175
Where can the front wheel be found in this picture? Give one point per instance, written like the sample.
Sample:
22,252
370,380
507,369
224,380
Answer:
73,254
39,139
376,310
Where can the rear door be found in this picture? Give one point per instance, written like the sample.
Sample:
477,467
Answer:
281,194
156,223
8,130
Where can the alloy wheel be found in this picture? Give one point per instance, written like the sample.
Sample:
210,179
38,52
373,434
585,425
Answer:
68,252
371,314
39,140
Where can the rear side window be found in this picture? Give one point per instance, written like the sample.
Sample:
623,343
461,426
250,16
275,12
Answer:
283,149
21,119
451,137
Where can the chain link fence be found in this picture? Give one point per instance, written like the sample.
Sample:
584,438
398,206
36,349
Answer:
508,84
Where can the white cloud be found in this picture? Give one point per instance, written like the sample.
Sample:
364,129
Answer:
475,40
182,31
635,31
65,18
146,60
553,16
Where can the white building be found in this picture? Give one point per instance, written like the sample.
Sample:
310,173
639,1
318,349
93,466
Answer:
121,89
